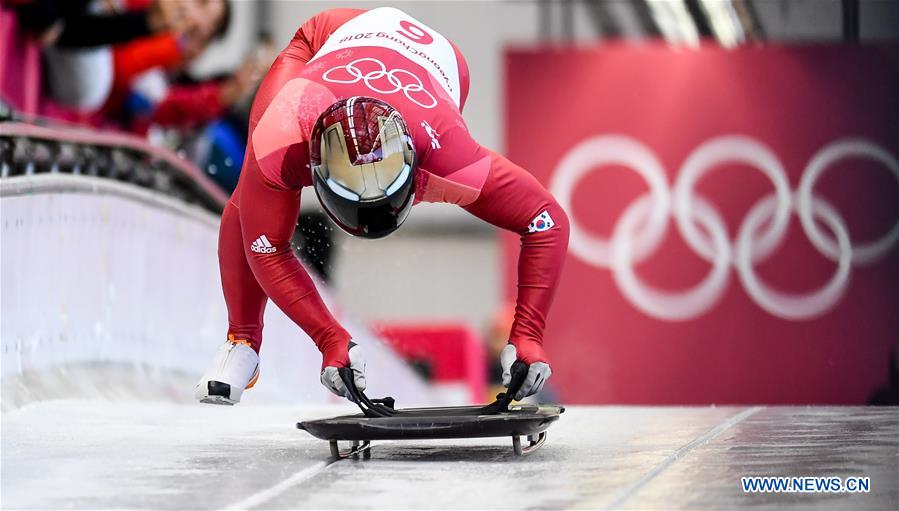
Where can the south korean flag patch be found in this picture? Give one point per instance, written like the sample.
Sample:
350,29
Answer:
541,222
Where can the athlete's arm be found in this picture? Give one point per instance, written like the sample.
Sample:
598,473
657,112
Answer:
271,211
511,198
270,198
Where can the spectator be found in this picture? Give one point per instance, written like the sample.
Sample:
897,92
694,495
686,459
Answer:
206,119
153,100
84,70
91,23
121,63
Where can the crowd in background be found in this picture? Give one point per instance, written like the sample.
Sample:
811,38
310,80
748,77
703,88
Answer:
125,65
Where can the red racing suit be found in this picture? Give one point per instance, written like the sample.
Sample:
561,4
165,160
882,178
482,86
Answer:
385,54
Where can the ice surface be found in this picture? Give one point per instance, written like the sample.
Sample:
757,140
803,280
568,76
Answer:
104,454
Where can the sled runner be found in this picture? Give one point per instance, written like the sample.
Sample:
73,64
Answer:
379,420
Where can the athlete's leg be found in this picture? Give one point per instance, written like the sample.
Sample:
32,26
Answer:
244,297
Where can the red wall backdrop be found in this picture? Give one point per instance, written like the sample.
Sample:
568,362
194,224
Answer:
662,157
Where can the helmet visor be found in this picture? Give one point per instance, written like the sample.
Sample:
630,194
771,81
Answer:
366,218
367,189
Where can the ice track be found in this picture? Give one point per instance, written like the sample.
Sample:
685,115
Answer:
101,454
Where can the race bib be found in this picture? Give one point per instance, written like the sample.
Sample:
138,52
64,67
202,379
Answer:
392,28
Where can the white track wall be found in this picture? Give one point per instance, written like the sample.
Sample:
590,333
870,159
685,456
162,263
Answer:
98,274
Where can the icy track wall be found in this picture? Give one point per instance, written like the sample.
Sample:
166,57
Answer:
111,290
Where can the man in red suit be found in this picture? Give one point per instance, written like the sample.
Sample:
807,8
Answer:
366,107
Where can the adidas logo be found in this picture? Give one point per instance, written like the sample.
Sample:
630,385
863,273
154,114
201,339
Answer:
262,246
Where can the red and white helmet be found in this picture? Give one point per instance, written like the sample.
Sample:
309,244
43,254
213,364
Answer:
363,166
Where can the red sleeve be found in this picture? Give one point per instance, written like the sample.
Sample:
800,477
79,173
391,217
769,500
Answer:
133,58
272,212
137,5
503,194
514,200
189,105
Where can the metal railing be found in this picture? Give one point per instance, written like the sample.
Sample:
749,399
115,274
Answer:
28,149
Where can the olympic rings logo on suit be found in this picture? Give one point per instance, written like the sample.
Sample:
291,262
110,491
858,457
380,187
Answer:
352,74
642,226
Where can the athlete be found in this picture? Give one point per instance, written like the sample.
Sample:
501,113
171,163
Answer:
366,107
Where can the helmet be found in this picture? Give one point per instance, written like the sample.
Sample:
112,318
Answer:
363,166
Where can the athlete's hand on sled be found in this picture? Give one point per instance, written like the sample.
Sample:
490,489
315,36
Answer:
353,359
538,371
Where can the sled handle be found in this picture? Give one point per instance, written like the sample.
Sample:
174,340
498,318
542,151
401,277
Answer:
518,371
385,407
370,407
